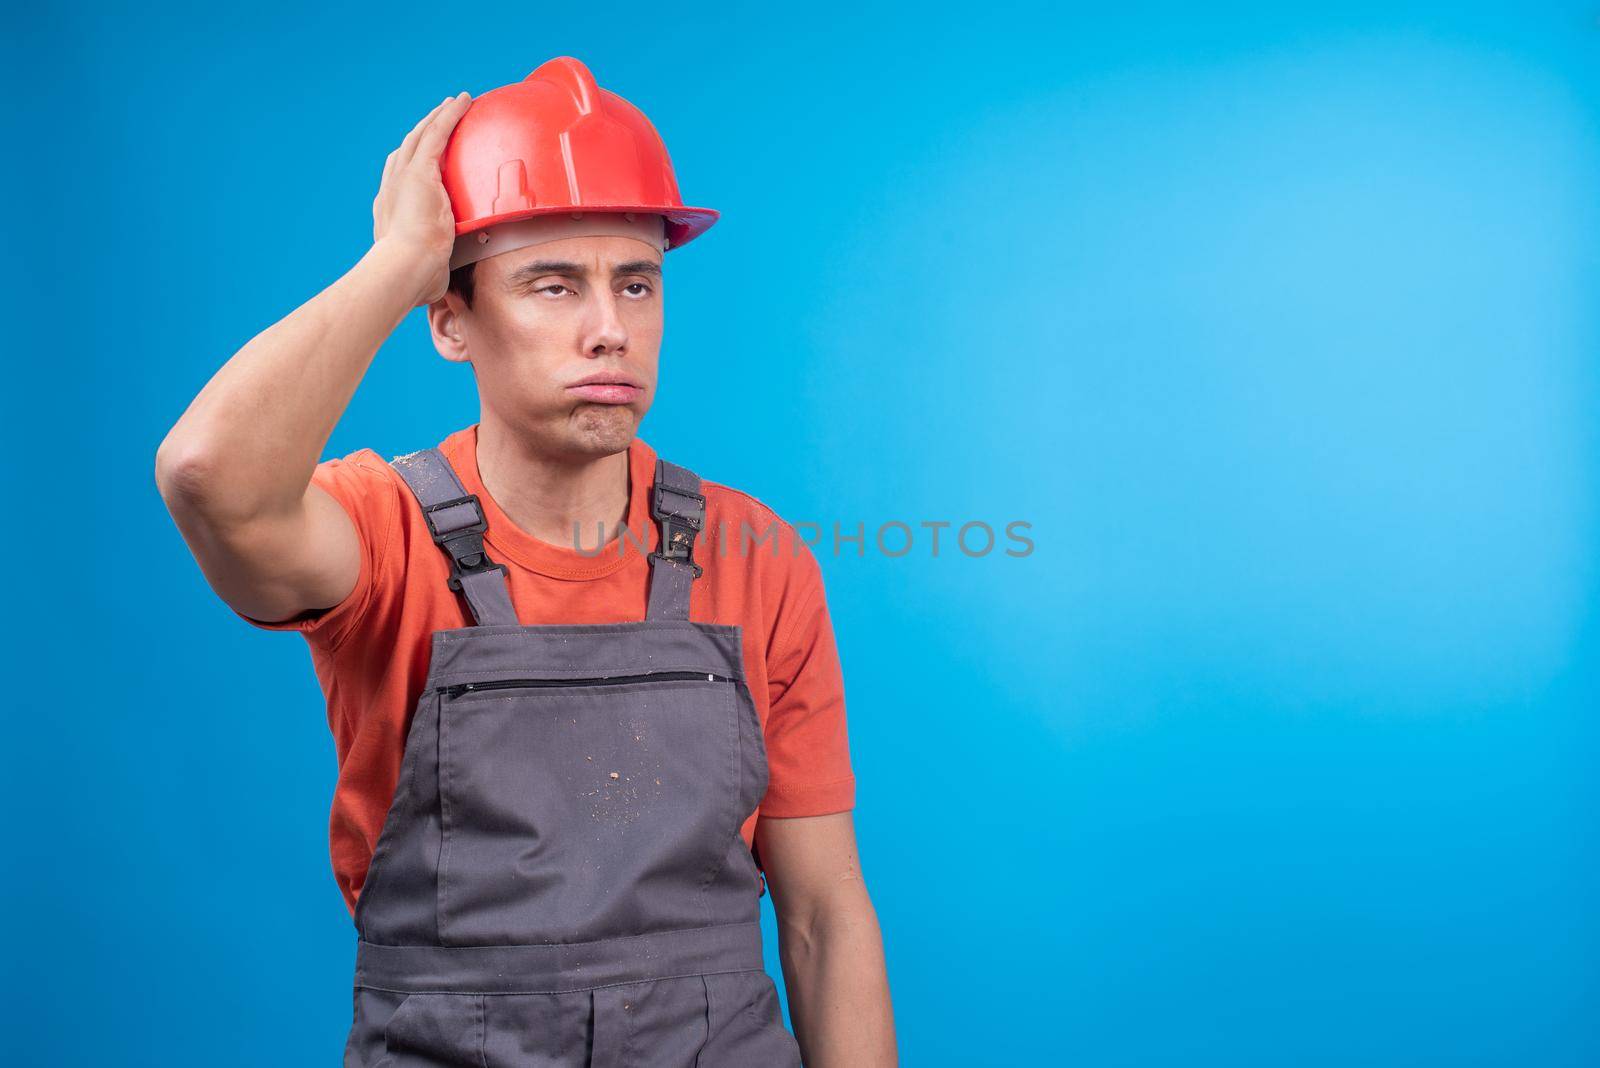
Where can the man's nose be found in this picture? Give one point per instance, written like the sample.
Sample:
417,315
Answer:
605,334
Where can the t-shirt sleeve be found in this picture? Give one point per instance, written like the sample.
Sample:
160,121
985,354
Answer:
368,495
808,748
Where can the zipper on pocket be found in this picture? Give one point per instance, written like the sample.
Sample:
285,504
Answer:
615,680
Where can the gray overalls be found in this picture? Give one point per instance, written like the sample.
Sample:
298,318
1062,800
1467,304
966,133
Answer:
560,879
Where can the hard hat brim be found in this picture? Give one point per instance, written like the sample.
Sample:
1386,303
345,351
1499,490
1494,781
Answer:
684,224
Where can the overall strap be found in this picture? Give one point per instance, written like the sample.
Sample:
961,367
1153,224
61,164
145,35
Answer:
679,510
456,520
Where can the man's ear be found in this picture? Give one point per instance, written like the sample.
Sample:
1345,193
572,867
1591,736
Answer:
445,322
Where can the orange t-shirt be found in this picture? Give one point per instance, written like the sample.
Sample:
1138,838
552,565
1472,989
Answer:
370,650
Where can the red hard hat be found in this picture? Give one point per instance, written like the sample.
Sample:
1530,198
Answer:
557,142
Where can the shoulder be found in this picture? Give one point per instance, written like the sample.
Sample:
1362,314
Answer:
366,486
356,475
743,530
362,462
729,505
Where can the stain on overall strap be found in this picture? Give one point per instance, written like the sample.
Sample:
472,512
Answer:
679,509
455,519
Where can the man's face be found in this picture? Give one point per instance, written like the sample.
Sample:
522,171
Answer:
563,337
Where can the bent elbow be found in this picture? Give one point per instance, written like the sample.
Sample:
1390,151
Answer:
185,474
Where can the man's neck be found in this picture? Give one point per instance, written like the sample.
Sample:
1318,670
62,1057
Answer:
547,497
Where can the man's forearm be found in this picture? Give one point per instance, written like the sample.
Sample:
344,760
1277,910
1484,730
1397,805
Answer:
838,987
251,438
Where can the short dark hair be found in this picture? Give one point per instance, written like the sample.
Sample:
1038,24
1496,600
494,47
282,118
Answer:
462,280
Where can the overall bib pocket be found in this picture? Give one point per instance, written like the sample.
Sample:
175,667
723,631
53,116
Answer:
565,791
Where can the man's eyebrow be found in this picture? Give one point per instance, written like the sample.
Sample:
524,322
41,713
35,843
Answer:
538,268
638,267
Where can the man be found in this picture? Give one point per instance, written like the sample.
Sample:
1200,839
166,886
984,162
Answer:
569,744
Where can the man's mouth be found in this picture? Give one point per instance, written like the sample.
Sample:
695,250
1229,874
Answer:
607,388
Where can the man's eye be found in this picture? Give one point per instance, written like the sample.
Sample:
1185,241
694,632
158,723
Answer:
637,285
553,285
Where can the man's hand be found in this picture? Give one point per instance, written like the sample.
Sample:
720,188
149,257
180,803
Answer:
412,210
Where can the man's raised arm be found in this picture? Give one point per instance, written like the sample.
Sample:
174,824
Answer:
235,470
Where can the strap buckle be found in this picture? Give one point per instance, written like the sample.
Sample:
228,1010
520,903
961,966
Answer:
692,516
464,544
677,546
679,523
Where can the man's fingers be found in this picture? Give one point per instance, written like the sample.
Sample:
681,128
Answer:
433,139
409,145
402,154
426,138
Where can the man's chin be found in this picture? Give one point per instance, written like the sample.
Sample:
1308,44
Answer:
604,428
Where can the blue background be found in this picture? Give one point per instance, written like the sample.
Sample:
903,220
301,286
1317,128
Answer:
1279,328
